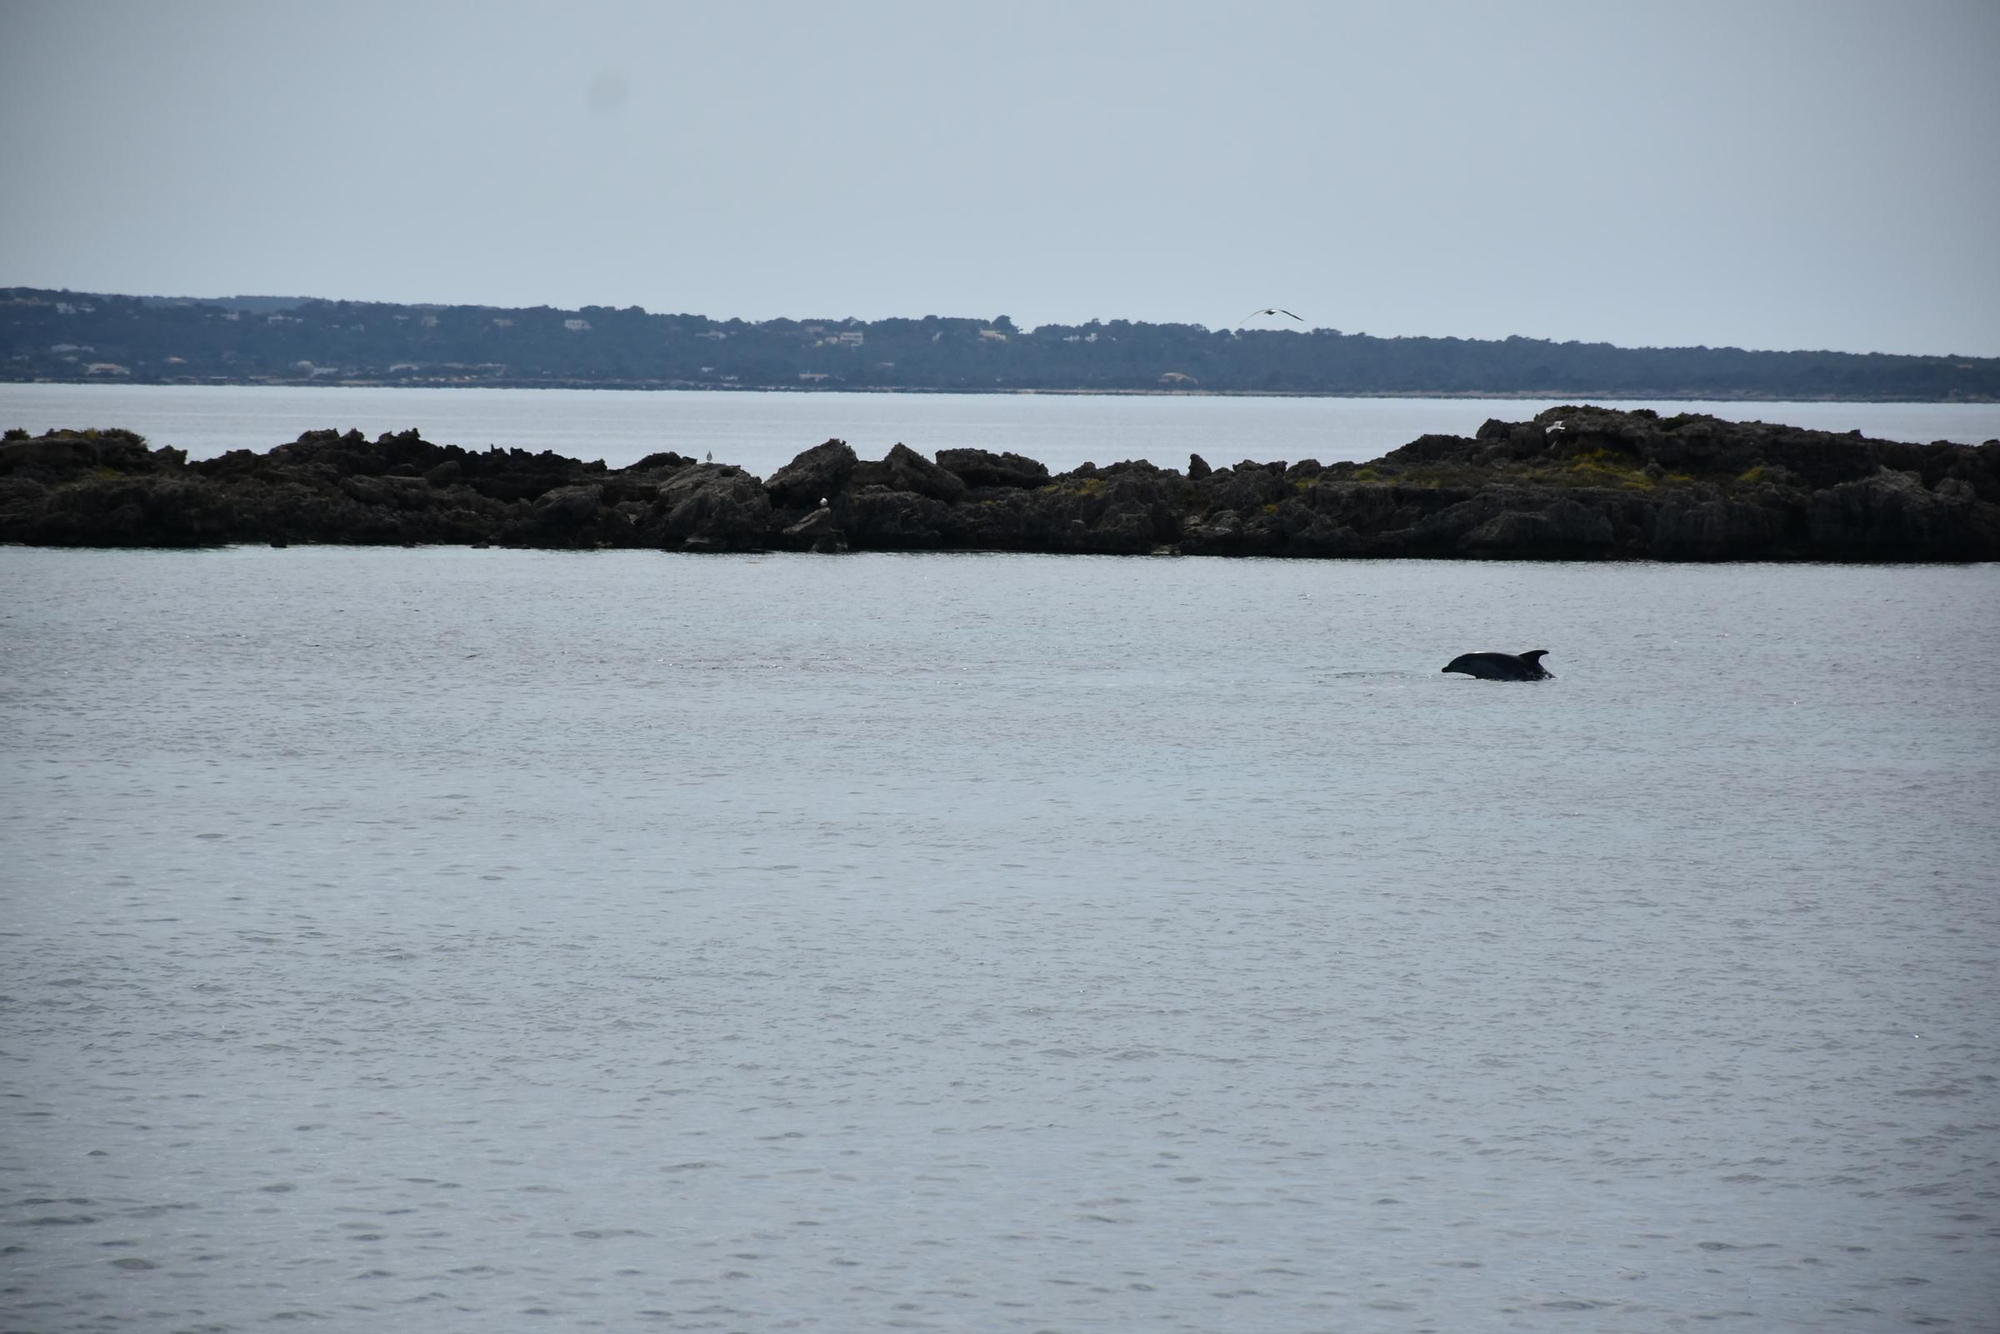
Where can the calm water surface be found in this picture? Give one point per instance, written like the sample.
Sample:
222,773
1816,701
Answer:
763,432
435,940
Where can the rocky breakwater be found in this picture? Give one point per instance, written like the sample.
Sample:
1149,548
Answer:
1574,483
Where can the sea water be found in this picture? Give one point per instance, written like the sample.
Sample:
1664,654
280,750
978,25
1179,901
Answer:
446,939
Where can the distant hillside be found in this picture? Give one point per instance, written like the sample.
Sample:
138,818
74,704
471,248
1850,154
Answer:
70,336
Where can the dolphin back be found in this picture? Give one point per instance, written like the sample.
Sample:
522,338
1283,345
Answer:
1501,666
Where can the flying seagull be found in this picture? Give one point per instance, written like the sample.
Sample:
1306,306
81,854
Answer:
1271,310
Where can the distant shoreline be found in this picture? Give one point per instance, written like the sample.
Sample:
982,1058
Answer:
667,386
81,337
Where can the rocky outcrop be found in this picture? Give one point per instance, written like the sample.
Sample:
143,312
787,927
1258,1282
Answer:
906,470
1894,516
712,507
813,475
818,531
980,468
1574,483
1584,531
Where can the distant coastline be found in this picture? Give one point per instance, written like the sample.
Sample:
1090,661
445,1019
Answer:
87,338
664,386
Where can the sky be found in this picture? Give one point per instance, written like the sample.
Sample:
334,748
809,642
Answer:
1754,173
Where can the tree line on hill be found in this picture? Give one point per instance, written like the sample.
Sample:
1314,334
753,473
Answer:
67,336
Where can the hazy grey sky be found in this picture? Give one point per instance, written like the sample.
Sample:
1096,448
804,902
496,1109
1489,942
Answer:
1775,174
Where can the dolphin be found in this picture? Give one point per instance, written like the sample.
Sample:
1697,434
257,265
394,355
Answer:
1502,666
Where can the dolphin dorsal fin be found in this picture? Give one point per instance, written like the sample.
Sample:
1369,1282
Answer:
1534,655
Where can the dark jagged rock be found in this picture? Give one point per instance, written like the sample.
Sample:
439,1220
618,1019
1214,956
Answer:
818,531
669,461
712,506
817,473
1566,525
568,508
907,470
64,455
979,468
1892,516
879,519
1575,483
1243,488
1719,528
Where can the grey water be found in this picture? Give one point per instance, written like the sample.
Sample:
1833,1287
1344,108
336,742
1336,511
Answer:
447,939
764,431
